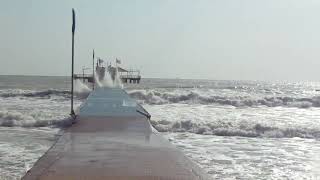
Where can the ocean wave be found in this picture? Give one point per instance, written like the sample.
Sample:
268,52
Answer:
18,119
28,93
157,97
42,94
229,129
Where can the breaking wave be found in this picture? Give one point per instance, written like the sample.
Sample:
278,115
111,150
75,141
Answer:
28,93
229,129
18,119
156,97
43,93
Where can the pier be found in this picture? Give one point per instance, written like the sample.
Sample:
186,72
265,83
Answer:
112,138
84,77
126,76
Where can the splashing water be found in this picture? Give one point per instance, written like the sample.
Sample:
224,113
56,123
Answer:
97,81
117,81
81,89
107,80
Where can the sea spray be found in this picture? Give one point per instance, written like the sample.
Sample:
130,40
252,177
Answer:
96,80
107,80
81,89
117,81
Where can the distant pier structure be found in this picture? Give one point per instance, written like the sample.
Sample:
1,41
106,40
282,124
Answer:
125,75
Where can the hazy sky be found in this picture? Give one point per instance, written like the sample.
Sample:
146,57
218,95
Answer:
212,39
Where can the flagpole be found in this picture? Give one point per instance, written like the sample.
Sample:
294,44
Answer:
72,66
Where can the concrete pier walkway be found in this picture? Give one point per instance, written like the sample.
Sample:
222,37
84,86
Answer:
112,140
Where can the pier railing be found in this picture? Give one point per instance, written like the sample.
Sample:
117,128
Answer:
130,76
84,77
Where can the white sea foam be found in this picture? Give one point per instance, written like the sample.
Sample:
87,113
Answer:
14,118
280,122
244,130
193,96
81,91
158,97
235,157
21,147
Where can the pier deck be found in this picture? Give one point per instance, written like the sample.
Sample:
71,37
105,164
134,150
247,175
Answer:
111,140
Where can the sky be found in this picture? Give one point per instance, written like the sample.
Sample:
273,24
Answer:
188,39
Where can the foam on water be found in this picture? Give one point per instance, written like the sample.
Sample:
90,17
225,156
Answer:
197,96
81,91
232,129
44,108
279,122
21,147
235,157
14,118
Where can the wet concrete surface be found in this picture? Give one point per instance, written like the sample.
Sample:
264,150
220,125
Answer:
111,145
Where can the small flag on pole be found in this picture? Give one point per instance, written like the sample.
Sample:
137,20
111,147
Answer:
118,61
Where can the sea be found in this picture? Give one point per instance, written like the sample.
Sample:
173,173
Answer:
231,129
